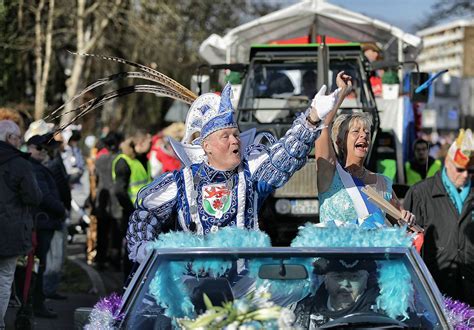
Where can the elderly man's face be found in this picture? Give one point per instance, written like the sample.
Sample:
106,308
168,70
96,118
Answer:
458,176
14,139
345,287
223,149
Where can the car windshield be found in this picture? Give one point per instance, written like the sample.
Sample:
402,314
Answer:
321,287
275,91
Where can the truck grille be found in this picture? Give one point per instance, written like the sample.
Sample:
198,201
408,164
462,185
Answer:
302,184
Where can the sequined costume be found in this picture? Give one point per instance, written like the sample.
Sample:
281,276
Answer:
336,204
205,199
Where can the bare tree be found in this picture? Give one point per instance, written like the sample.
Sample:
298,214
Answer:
444,9
90,27
42,59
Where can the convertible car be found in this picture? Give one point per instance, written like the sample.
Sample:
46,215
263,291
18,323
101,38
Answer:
229,287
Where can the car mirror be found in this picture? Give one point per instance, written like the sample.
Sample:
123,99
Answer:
416,80
283,272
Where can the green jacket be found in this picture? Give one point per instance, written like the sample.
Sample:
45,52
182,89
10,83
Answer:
412,176
138,176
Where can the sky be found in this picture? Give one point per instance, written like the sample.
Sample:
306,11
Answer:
405,14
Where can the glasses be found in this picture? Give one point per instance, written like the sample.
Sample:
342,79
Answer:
462,170
40,148
16,136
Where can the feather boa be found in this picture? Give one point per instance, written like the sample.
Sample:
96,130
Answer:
168,292
166,286
393,279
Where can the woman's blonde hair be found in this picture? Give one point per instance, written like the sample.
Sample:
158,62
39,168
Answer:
342,124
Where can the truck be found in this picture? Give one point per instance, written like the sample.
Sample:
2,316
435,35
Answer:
279,83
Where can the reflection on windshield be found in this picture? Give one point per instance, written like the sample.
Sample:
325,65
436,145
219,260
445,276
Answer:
333,290
289,87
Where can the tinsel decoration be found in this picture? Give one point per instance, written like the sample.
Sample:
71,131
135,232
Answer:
460,315
105,313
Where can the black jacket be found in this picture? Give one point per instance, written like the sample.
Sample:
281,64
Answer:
50,213
122,180
60,176
19,191
312,311
448,250
106,203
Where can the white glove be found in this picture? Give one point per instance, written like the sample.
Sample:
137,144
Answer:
142,252
323,104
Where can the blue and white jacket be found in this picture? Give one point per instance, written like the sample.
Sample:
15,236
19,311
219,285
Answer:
203,199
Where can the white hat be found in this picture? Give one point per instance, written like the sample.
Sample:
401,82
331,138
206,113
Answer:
38,127
462,150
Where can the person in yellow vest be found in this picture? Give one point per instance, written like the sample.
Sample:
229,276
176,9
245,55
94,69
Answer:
129,173
422,165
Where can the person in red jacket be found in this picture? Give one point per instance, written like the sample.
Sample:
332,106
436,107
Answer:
161,156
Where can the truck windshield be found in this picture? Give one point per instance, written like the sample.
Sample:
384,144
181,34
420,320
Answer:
277,91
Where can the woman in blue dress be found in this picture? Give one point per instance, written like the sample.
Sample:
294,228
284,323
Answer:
340,152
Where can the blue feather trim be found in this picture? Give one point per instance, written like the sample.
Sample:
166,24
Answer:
393,277
166,287
396,291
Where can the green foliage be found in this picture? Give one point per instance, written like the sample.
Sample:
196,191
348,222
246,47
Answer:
254,311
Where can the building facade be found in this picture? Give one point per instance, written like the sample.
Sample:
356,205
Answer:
449,46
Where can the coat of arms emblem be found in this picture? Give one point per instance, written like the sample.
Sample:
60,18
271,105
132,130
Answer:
216,199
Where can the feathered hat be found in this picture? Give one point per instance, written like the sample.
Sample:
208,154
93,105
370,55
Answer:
461,151
163,86
208,113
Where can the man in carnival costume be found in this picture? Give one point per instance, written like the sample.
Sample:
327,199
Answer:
225,177
223,183
444,206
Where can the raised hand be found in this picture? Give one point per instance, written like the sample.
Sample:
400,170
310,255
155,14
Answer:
344,83
322,104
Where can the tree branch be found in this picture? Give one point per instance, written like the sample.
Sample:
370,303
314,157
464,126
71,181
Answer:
38,58
48,45
102,25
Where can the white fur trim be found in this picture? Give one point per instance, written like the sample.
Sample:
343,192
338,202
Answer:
241,194
255,211
182,222
189,186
